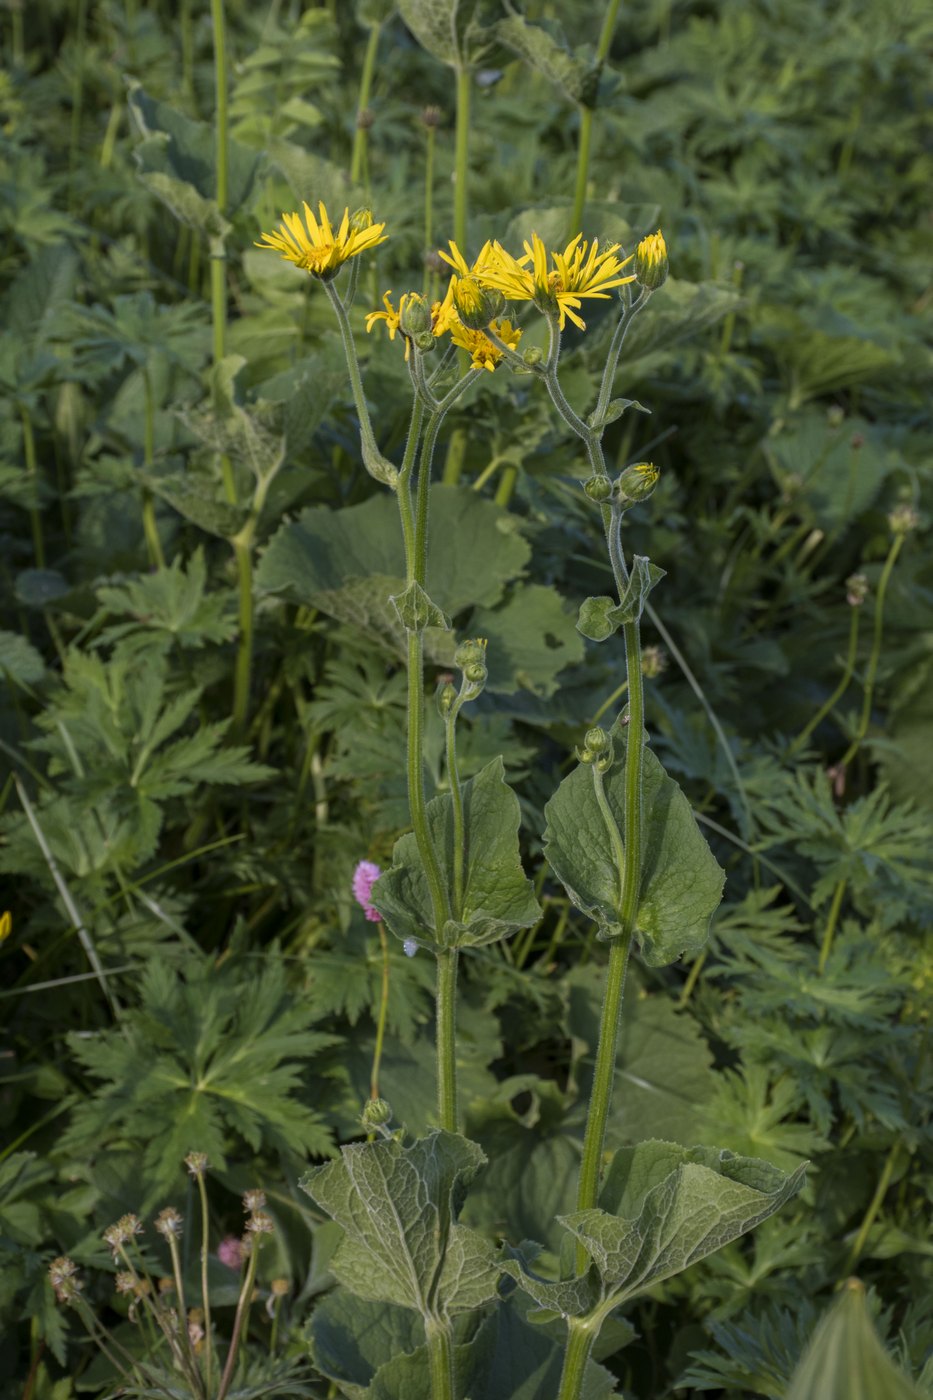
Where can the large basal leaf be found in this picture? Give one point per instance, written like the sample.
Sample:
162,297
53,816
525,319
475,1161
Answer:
398,1207
351,1339
530,641
662,1208
449,29
551,57
681,881
348,562
498,899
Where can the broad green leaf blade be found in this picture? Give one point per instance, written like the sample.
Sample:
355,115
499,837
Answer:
531,640
663,1207
498,899
351,1339
398,1207
551,58
681,881
183,150
449,29
572,1297
643,578
19,660
846,1360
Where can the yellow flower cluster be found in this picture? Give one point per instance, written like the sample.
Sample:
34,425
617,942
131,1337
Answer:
471,311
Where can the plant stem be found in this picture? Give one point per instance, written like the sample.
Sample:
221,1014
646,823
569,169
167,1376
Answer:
440,1360
461,157
32,466
239,1321
831,922
242,549
884,1181
367,437
150,528
597,1117
429,276
877,634
446,1030
829,705
383,1012
361,135
221,139
205,1287
581,1334
456,794
586,122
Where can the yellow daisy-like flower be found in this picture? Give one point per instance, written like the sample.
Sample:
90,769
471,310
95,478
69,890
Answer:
651,261
314,246
442,315
456,260
484,352
391,317
581,270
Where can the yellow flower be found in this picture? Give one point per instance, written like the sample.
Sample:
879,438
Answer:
485,353
315,246
6,925
458,262
442,314
581,270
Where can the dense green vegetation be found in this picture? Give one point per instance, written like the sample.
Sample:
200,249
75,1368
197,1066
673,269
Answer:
204,703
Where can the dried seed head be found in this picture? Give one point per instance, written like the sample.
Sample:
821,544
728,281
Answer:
903,519
653,662
125,1282
856,590
196,1162
253,1200
122,1232
260,1223
431,116
168,1223
63,1276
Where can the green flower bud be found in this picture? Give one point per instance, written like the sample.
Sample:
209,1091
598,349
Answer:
651,262
598,488
596,739
477,305
376,1113
414,315
533,356
425,342
468,651
445,696
637,482
361,220
475,672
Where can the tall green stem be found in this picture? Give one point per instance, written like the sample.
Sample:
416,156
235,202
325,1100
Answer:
462,157
597,1117
586,122
829,705
448,1114
150,528
205,1287
243,553
382,1014
217,245
581,1334
429,276
239,1321
32,466
877,634
833,919
361,135
441,1360
456,794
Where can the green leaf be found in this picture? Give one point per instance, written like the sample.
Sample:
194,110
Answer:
662,1208
681,881
398,1206
550,57
415,610
596,618
498,899
845,1358
172,603
329,559
182,151
531,640
351,1338
449,29
19,660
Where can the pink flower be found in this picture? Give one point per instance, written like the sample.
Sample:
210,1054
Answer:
230,1252
364,877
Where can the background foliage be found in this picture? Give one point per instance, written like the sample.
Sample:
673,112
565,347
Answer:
185,967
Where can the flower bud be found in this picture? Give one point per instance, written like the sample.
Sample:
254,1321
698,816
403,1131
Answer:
365,118
477,305
414,315
653,662
431,116
533,356
596,739
361,220
597,749
475,672
598,488
472,650
445,696
651,262
196,1162
168,1223
637,482
425,342
376,1113
903,519
856,590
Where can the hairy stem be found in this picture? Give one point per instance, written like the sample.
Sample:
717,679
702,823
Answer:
382,1014
829,705
456,794
205,1288
441,1360
361,135
461,157
871,672
581,1334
